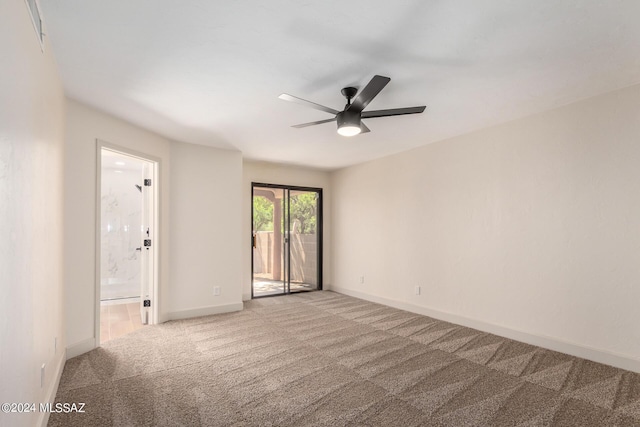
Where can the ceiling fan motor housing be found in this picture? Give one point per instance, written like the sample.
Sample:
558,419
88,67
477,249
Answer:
348,118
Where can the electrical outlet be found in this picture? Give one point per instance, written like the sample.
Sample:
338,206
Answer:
361,279
42,375
216,290
417,290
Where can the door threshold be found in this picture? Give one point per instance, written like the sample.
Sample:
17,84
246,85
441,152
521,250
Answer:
114,301
283,295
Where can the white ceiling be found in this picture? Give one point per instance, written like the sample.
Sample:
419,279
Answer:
210,72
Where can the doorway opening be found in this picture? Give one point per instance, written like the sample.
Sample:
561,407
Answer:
126,273
286,240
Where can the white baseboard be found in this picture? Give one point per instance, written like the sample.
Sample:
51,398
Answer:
81,347
204,311
551,343
50,396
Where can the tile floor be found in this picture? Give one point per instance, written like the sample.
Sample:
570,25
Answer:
118,319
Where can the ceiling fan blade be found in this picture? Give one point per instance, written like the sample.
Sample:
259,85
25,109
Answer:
392,112
301,101
367,94
364,128
304,125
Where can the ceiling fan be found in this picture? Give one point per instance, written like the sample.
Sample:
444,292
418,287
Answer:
350,119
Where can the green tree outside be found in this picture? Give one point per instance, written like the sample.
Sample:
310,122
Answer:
303,210
262,214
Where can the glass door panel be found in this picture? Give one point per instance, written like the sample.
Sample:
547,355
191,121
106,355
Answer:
268,240
303,240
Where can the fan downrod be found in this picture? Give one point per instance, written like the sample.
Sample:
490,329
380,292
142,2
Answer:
349,93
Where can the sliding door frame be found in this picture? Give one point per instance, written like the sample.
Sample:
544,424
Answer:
319,231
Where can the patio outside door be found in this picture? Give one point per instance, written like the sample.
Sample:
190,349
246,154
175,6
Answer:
286,239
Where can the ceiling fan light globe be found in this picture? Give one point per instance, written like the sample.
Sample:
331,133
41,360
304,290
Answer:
348,123
349,130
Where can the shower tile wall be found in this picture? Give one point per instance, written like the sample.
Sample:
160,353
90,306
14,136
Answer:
121,230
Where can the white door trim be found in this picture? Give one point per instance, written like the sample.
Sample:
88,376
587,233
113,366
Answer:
100,145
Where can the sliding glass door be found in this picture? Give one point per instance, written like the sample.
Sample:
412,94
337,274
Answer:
286,239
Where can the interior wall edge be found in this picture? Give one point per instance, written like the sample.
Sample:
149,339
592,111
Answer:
81,347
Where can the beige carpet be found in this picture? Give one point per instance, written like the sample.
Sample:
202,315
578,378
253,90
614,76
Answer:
323,358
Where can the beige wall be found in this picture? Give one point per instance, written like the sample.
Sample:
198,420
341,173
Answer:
197,217
271,173
205,229
530,228
31,216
